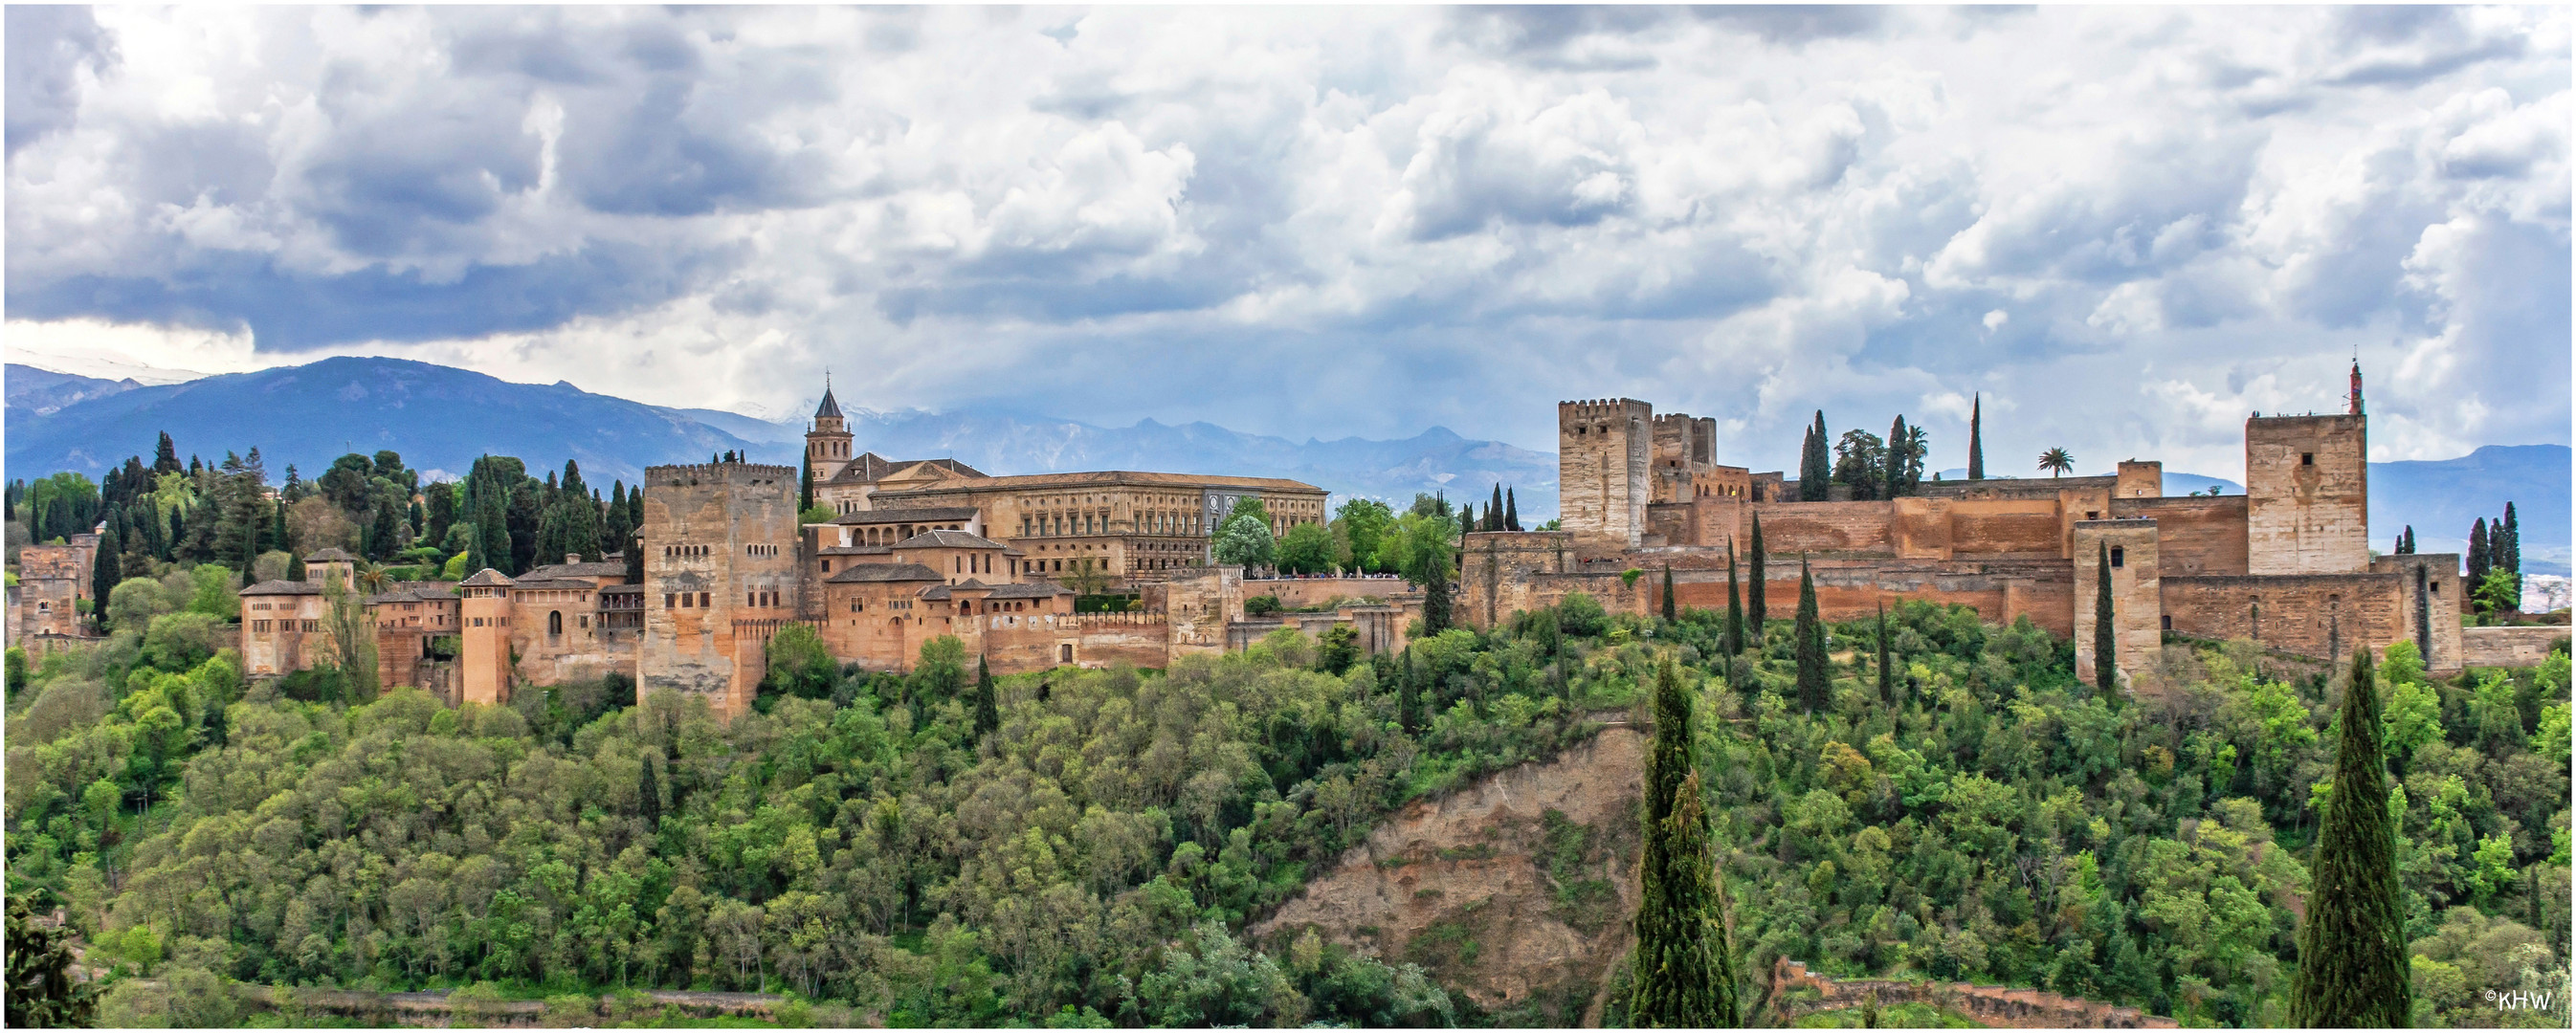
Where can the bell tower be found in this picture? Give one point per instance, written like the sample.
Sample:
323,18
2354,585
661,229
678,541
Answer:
827,441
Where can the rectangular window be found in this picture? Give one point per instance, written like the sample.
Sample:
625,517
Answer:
706,599
2118,557
2307,459
2169,622
669,601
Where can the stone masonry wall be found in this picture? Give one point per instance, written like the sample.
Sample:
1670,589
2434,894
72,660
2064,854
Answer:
1603,449
2509,647
2319,615
2307,489
699,522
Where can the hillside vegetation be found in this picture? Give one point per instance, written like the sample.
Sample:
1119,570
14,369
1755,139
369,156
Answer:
1094,858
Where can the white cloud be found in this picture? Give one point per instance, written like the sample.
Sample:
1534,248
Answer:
1337,221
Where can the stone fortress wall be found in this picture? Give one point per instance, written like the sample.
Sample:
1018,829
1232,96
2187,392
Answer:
2287,564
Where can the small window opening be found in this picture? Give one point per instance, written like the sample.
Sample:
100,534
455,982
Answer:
2119,557
2307,459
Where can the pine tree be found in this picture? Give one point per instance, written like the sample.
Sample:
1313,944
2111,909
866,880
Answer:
1893,478
1977,438
1734,606
988,707
1668,593
1886,661
1755,613
1511,511
2479,559
1815,684
2105,642
165,456
1684,972
2353,969
108,569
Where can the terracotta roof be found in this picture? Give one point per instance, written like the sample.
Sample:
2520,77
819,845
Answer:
1029,591
486,578
416,592
935,592
870,466
923,514
1106,478
621,590
330,556
947,540
868,572
852,550
551,584
283,588
972,584
578,570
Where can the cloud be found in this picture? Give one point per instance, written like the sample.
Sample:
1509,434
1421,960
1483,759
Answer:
2120,227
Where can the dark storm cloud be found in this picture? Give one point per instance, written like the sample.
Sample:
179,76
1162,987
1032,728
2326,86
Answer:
48,45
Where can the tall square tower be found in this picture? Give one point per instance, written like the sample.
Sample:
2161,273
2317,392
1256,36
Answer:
2307,494
1604,450
720,573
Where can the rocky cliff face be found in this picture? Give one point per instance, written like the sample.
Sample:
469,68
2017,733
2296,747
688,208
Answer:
1515,890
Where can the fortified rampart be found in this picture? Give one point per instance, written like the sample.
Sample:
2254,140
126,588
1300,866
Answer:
720,548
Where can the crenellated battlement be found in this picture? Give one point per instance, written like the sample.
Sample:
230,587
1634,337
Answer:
1601,409
685,474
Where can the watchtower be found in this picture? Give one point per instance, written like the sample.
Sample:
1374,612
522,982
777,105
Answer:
483,633
1604,449
720,557
827,442
2307,488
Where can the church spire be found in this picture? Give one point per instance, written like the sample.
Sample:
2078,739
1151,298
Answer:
829,410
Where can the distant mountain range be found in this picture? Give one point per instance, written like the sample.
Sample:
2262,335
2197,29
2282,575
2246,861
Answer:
440,418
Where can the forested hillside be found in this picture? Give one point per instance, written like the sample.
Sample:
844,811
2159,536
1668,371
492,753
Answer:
1087,848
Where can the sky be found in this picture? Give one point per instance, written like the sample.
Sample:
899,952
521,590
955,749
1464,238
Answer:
2124,229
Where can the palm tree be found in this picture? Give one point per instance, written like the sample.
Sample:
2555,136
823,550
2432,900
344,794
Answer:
2056,461
371,578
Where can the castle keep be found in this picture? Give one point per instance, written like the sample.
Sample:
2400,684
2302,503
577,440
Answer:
2287,564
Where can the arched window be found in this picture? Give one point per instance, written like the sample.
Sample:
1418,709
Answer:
554,622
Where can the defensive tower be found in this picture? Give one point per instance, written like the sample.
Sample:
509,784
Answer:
1604,449
2307,487
720,574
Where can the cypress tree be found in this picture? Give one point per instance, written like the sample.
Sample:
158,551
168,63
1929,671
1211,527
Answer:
1886,661
1683,973
2405,543
2479,561
2105,643
1816,464
277,528
294,566
1977,438
2353,969
1511,511
1892,481
805,486
1408,698
2509,558
635,561
1668,593
635,510
1734,606
385,534
108,568
1755,613
988,707
1814,683
178,533
165,456
1494,509
648,793
1435,600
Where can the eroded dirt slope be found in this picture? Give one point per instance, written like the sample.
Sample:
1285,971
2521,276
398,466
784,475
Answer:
1515,889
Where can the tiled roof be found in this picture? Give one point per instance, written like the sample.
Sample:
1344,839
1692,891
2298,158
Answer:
332,555
935,593
621,590
486,578
947,540
867,572
1029,591
829,409
1110,478
283,588
922,515
578,570
870,466
852,550
551,584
